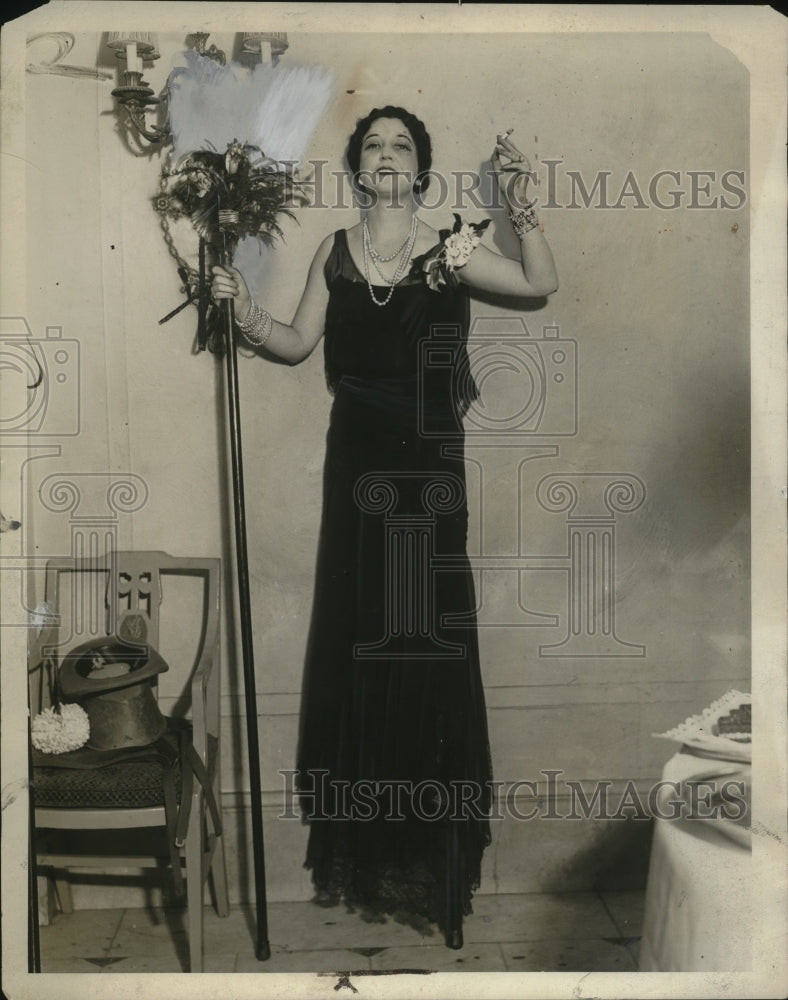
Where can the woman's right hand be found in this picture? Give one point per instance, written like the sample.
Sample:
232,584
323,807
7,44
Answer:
228,283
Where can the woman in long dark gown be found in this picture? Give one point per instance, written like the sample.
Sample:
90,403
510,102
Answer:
393,756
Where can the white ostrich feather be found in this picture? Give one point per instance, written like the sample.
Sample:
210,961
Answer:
275,108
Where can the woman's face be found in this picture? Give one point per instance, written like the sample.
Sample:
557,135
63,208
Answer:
389,160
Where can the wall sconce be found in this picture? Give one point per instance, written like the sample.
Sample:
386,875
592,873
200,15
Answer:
134,94
137,47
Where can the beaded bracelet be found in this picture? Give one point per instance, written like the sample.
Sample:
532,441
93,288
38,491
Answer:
525,220
258,325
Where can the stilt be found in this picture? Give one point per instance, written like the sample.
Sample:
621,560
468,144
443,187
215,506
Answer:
262,947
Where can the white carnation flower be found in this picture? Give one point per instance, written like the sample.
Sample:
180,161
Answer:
453,252
60,730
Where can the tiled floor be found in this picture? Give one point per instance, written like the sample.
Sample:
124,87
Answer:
530,932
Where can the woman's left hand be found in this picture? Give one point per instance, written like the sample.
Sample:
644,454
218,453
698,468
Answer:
513,176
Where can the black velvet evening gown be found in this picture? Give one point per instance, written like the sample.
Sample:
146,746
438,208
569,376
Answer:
393,757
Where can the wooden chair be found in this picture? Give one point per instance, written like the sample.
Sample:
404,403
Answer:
114,596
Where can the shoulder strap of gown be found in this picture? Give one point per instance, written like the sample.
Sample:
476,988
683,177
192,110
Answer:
339,263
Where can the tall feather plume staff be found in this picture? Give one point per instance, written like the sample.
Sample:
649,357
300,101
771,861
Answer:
233,189
237,135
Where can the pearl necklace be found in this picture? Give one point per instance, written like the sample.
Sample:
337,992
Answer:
379,256
370,253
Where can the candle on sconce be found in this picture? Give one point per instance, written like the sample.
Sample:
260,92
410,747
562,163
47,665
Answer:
136,45
131,58
266,46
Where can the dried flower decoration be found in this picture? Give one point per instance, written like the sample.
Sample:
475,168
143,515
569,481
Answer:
249,188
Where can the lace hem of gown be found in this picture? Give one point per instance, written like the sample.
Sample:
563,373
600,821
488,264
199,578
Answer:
409,871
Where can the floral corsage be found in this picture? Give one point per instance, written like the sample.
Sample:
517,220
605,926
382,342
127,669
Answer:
453,253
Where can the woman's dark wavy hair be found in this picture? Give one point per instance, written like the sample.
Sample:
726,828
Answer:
414,125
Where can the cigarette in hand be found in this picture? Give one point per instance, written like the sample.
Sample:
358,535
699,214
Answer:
505,135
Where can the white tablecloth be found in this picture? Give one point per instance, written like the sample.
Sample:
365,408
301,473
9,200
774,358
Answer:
699,902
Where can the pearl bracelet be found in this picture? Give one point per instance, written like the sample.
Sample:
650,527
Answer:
258,325
525,220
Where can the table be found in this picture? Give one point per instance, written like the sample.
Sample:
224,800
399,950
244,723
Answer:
699,897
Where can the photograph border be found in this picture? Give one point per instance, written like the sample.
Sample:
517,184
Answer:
757,37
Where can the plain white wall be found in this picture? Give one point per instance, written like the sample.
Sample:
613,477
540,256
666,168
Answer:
656,299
